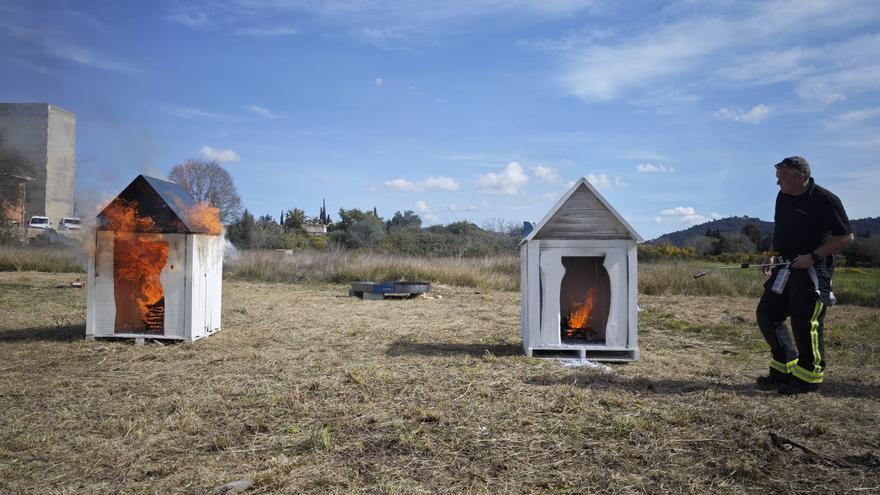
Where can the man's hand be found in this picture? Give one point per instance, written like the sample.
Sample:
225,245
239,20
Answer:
802,261
767,261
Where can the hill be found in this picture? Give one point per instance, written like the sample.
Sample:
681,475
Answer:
870,225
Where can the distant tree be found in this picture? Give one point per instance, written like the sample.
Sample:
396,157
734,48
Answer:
242,232
407,220
464,227
266,220
208,182
864,251
702,245
357,228
323,217
752,232
734,243
294,220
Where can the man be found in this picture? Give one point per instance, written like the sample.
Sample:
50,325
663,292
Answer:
810,226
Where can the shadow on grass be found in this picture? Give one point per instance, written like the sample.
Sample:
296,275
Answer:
648,386
64,333
403,347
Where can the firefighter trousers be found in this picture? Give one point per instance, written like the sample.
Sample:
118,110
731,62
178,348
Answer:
803,358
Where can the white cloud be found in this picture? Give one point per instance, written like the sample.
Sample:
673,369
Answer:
379,82
547,173
84,56
221,156
693,42
262,111
753,116
859,115
853,117
195,113
650,168
511,181
375,21
834,86
429,184
266,31
602,181
426,212
683,215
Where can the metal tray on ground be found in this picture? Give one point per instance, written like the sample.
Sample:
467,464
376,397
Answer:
381,290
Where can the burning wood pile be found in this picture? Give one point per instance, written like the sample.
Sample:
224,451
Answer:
157,265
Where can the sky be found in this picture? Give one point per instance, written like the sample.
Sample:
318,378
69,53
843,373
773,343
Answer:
479,110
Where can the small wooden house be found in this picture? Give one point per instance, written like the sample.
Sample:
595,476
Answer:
157,267
579,281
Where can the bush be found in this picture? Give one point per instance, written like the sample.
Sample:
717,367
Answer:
664,251
864,251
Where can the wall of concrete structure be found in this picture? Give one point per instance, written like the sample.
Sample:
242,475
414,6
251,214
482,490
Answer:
38,140
60,164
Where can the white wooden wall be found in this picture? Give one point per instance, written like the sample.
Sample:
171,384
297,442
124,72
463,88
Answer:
192,281
541,278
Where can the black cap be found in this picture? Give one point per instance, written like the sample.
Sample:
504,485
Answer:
797,163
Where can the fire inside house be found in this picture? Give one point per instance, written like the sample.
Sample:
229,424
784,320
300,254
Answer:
157,266
579,281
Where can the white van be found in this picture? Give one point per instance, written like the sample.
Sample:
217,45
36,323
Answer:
40,222
70,223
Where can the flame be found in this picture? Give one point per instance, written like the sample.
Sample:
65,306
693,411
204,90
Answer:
138,260
206,216
122,216
580,318
137,265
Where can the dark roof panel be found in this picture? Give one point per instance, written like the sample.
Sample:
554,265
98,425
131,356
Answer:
166,203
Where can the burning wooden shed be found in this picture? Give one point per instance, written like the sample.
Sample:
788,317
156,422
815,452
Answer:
579,281
157,267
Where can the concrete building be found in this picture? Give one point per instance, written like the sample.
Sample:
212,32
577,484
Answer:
37,141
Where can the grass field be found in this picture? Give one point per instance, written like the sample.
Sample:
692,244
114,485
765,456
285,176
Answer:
308,391
852,285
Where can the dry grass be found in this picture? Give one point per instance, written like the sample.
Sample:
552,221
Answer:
852,286
340,266
41,259
308,391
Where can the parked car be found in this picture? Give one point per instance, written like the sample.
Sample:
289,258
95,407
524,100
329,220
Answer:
70,223
40,222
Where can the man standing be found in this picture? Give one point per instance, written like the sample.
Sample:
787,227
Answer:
810,226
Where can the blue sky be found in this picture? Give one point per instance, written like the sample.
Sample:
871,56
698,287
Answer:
479,109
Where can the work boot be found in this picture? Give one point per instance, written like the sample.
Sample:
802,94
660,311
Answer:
795,387
774,380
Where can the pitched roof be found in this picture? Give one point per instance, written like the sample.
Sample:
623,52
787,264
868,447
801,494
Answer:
583,213
164,202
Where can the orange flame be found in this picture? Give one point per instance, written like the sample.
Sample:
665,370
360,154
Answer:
580,318
138,260
203,215
122,216
206,216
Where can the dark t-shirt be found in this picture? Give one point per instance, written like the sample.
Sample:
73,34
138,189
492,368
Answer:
804,222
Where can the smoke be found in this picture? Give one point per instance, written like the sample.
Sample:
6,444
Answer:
230,252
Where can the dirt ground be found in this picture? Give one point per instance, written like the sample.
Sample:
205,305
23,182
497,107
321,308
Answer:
306,390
